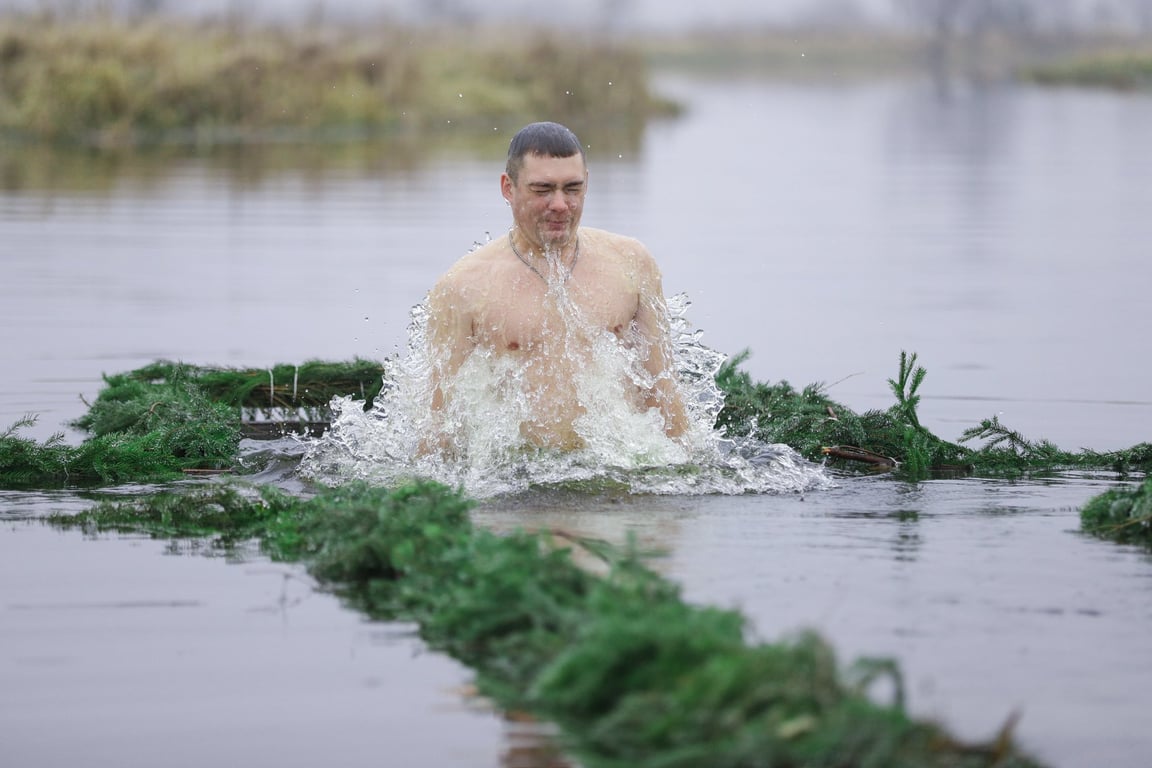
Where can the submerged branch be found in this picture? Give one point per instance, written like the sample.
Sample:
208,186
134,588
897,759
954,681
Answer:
852,453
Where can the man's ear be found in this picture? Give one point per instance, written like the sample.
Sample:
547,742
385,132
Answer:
506,187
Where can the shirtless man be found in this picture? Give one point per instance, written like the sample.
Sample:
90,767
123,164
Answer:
547,292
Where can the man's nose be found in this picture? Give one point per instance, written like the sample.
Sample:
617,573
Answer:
558,200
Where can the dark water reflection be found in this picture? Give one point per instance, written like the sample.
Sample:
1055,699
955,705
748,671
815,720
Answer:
41,170
1001,232
34,169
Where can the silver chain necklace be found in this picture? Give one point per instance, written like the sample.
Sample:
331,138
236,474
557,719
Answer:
531,266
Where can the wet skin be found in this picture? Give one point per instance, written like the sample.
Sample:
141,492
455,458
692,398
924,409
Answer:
547,315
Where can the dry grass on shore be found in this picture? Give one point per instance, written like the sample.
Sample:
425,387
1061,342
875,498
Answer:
106,80
111,81
1125,70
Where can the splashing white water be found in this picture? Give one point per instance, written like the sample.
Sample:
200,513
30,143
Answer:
624,446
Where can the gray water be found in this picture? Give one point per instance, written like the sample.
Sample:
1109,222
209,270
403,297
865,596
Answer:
1001,232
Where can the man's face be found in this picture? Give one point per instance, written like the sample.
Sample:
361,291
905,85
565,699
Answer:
548,198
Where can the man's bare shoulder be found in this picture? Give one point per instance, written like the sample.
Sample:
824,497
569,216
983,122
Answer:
632,253
471,265
613,240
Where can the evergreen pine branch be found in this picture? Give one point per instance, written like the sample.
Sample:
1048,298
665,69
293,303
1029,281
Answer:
25,421
997,435
905,388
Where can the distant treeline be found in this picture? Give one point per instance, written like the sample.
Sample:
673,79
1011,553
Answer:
108,79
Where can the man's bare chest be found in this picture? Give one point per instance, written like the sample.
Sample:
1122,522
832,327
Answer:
534,318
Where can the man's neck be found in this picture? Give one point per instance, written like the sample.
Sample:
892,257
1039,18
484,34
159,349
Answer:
560,264
533,249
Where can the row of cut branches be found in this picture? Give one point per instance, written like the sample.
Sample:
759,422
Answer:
193,415
817,426
280,392
167,419
633,675
1123,515
173,436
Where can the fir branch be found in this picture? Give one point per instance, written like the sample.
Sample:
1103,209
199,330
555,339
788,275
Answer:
998,435
905,389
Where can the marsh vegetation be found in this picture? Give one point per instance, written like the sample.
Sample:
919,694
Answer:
1128,70
109,80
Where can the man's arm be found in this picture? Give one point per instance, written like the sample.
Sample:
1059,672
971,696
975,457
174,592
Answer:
652,324
450,339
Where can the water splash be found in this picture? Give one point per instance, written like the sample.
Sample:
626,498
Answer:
624,447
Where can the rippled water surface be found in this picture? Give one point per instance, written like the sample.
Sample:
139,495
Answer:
983,590
1000,232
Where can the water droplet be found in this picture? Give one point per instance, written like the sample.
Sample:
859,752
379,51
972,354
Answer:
365,318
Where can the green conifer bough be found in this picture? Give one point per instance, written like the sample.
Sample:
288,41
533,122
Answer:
1123,515
167,418
632,674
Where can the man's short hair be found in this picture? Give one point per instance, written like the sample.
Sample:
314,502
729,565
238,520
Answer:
543,139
